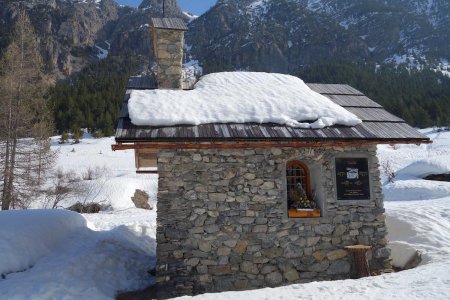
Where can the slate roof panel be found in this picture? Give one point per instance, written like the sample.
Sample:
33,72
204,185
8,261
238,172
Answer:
169,23
353,101
334,89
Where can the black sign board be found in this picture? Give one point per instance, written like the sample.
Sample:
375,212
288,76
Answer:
352,179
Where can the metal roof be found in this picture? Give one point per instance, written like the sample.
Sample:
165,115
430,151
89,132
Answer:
378,124
169,23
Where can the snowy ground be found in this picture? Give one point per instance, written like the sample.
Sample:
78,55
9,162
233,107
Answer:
62,255
69,256
116,176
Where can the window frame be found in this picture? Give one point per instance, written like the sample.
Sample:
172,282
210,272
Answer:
307,176
319,212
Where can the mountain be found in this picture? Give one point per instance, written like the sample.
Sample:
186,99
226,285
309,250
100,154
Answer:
75,33
276,36
262,35
283,35
397,29
162,8
96,44
68,30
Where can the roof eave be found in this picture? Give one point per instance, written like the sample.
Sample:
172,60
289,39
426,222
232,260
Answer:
122,144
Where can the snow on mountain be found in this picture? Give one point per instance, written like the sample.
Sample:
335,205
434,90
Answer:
84,1
253,34
258,8
102,53
189,16
444,67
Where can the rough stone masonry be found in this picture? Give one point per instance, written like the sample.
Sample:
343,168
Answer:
223,225
169,55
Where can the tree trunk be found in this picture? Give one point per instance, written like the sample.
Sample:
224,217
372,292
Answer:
26,115
6,192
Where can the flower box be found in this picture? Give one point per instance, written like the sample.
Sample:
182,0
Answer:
304,213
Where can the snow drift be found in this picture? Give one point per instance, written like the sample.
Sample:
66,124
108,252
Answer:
239,97
425,167
61,258
26,236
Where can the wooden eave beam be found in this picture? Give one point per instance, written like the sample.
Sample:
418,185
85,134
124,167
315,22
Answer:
258,144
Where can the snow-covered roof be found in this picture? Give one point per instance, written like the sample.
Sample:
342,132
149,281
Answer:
239,97
377,124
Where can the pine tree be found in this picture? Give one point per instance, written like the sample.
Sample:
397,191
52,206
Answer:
24,117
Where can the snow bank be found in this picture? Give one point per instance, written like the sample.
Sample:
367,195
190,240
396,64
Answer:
411,163
402,254
28,235
139,226
84,264
415,189
111,252
425,167
239,97
409,185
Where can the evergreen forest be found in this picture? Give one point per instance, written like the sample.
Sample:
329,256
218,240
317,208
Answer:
93,98
420,97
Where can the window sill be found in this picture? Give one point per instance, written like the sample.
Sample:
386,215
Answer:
304,213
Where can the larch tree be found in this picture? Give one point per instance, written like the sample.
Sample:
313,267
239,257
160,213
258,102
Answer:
25,119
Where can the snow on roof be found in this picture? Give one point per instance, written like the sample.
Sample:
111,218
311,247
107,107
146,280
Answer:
239,97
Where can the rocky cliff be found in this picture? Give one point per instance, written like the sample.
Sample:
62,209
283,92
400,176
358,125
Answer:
68,30
395,30
74,33
263,35
283,35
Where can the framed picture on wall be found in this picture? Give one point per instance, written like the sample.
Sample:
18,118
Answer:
352,178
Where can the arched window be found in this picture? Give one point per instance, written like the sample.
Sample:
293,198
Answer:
300,200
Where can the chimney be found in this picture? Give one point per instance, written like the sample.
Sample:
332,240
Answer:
168,41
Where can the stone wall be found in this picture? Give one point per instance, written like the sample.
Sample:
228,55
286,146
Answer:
169,56
222,221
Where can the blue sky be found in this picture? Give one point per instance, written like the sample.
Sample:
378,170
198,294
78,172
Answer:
194,6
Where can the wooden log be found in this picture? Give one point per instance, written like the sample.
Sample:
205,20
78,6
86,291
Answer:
360,257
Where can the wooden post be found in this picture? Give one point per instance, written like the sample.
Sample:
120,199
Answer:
360,256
